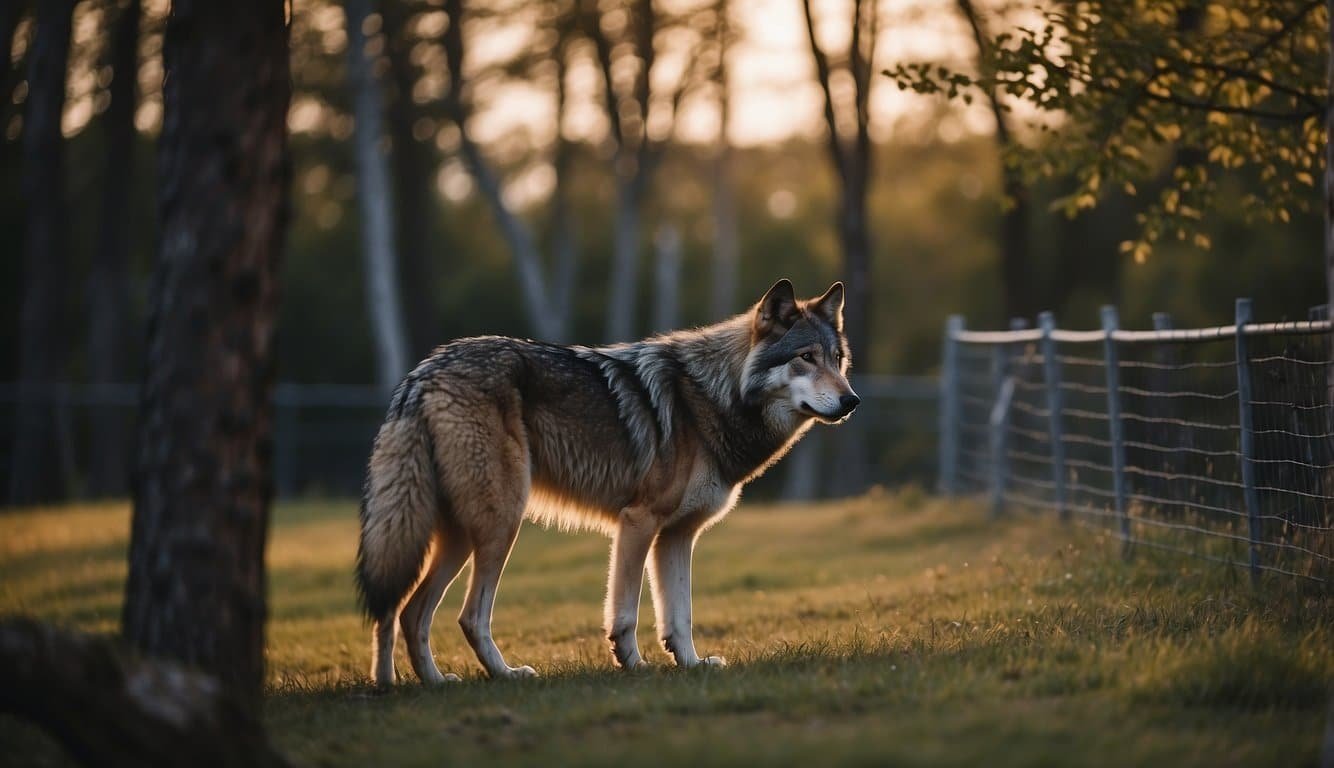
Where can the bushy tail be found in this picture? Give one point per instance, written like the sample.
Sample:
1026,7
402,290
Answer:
399,510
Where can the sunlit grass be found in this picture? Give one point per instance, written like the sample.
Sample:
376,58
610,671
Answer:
892,628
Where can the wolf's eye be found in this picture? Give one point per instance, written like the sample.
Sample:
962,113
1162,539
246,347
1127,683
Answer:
808,357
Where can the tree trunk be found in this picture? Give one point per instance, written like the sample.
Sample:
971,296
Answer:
36,475
376,204
522,245
414,167
201,510
623,290
1017,273
725,256
852,449
564,228
108,708
108,285
667,297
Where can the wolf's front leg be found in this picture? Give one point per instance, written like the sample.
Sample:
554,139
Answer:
669,572
625,580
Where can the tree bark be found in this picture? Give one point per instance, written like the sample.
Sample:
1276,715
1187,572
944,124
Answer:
376,203
108,708
35,473
414,166
201,505
108,285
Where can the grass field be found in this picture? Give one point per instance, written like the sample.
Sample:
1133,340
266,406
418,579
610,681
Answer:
892,629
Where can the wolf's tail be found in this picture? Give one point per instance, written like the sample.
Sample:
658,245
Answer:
399,510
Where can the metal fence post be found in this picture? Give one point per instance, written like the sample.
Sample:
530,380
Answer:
1051,370
949,408
1247,428
1112,363
1003,385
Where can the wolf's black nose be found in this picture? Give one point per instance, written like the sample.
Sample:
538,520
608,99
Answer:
849,402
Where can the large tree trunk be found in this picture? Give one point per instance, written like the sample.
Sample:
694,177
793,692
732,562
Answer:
36,475
108,708
196,579
376,204
108,285
414,167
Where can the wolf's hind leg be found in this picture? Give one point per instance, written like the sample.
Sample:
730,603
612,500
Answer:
669,573
625,581
383,636
491,550
447,558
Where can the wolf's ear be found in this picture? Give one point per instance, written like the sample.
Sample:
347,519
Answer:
830,306
778,309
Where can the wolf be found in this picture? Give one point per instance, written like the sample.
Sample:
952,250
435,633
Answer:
649,442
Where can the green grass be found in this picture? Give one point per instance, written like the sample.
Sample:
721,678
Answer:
896,628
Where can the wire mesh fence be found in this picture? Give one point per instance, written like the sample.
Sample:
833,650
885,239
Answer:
1215,442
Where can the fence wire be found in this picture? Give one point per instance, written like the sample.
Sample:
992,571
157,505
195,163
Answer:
1164,440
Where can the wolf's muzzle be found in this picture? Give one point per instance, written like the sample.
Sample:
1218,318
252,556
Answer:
847,404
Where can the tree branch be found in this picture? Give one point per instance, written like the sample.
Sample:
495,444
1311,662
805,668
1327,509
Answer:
822,71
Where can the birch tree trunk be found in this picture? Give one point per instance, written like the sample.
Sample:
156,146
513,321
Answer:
196,583
108,285
375,201
35,473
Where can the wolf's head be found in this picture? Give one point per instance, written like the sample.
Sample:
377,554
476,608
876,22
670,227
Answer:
799,355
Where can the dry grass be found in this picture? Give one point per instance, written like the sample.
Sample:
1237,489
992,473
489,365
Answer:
893,628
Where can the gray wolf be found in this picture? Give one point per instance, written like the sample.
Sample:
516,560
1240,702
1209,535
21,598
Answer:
649,442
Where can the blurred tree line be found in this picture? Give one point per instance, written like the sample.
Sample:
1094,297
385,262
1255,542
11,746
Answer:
579,234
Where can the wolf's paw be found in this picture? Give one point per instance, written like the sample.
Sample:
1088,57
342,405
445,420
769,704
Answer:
638,666
518,673
713,661
439,679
